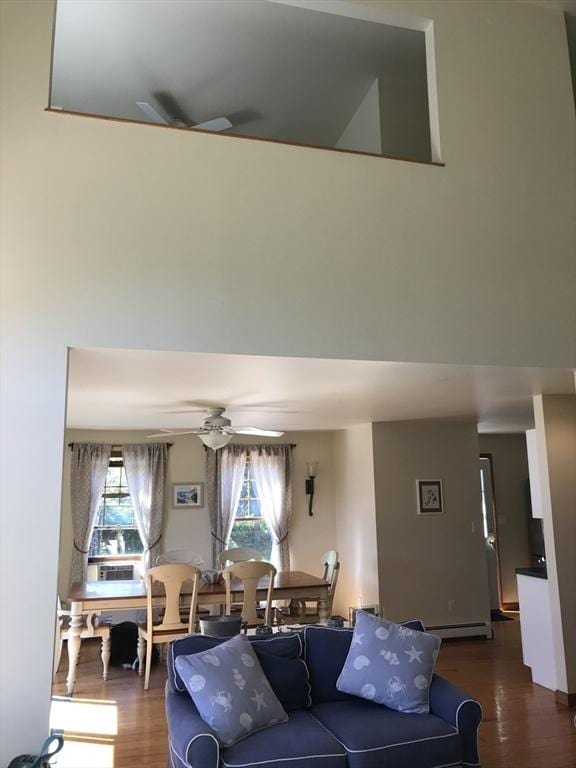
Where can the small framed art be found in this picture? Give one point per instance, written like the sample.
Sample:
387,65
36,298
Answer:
373,609
430,497
187,495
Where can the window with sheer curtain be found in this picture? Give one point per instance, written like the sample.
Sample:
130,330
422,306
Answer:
115,531
250,498
250,528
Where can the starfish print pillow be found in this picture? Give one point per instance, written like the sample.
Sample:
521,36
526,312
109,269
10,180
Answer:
231,692
390,664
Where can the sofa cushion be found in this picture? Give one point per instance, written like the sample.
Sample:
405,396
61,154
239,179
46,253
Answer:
302,742
325,651
283,645
230,690
377,737
288,677
390,664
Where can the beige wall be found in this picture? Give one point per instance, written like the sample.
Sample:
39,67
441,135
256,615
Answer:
555,422
310,537
427,561
146,238
355,518
510,476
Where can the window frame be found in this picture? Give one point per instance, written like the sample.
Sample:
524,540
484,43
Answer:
117,461
245,518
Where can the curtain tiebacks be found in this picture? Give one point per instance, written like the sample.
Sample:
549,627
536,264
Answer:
283,539
77,548
153,545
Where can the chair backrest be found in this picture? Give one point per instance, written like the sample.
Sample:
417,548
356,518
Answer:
250,573
172,577
180,556
238,555
331,570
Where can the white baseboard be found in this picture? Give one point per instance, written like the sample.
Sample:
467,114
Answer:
467,629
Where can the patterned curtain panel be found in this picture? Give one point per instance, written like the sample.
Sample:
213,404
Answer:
87,479
224,476
145,467
272,470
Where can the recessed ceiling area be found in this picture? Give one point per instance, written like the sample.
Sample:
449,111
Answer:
127,389
272,69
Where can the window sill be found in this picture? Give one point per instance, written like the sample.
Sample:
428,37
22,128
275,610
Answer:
114,558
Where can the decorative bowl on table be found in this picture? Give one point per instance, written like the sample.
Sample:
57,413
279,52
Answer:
264,629
212,577
220,626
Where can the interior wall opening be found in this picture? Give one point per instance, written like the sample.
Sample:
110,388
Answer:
259,69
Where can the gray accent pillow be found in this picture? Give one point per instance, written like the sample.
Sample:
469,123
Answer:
390,664
230,690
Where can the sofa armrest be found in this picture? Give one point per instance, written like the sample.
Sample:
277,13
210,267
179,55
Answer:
457,708
191,742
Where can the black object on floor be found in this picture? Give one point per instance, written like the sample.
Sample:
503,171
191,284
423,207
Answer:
499,616
124,645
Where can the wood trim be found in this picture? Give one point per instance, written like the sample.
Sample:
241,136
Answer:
114,558
566,699
240,136
510,607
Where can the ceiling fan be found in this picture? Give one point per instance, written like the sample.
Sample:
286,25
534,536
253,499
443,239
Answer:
217,430
217,124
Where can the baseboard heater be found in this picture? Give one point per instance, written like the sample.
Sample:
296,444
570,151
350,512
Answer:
470,629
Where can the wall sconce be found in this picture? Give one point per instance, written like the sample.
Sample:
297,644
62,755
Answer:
312,469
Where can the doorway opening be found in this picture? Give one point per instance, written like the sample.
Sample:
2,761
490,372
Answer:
490,530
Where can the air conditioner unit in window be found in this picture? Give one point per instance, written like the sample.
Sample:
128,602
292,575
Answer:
115,572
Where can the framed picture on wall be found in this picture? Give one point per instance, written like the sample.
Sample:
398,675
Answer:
187,495
373,609
430,497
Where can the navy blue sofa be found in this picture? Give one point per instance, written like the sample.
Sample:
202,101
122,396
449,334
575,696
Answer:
327,728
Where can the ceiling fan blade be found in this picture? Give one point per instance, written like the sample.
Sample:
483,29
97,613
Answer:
218,124
187,411
168,433
152,113
254,431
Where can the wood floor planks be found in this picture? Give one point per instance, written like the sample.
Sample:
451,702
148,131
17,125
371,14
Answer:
523,725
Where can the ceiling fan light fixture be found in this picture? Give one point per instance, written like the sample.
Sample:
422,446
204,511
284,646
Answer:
215,439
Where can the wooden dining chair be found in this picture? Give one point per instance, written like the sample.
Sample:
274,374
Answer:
90,628
250,573
172,577
238,555
299,609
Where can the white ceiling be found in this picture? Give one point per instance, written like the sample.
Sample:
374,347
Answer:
120,389
275,70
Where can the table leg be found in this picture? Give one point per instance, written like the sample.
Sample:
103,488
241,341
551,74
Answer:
324,609
105,655
141,650
74,642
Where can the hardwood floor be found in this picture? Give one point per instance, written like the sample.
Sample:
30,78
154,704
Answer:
523,726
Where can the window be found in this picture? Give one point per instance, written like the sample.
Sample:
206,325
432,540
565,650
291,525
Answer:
250,529
115,532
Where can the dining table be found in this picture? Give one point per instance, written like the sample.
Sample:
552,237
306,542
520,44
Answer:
116,595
